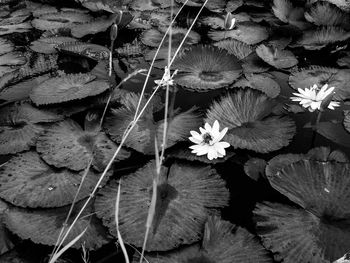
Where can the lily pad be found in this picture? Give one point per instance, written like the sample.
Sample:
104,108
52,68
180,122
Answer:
321,37
27,181
247,114
254,64
67,87
100,24
93,51
247,32
141,137
204,68
276,57
65,144
223,242
28,224
255,168
12,59
5,46
237,48
48,45
326,14
346,121
260,82
186,195
334,132
287,13
337,78
295,235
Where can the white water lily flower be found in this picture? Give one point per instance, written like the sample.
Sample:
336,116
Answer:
208,142
313,97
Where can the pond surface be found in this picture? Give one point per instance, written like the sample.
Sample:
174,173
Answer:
269,184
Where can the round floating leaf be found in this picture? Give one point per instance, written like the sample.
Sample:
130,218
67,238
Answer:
223,242
337,78
186,194
287,13
63,19
12,59
319,187
296,236
276,57
203,68
334,132
237,48
93,51
325,14
21,90
319,38
246,113
66,88
5,46
98,25
153,37
247,32
141,137
346,121
254,64
255,168
15,28
260,82
43,226
48,45
342,4
65,144
27,181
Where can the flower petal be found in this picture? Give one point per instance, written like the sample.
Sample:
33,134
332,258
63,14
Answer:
196,135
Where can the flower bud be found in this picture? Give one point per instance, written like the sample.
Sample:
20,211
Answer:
114,32
229,21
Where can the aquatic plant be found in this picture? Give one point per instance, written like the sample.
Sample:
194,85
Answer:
203,68
251,125
186,194
209,141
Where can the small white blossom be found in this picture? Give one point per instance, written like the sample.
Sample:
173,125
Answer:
208,141
167,78
230,21
313,97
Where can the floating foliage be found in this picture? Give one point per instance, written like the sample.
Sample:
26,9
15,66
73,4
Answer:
222,242
186,194
276,57
27,181
99,24
334,132
89,50
315,234
287,13
63,19
247,114
153,37
48,45
28,224
255,168
260,82
247,32
204,68
5,46
321,37
254,64
141,137
326,14
9,27
237,48
66,144
337,78
346,121
162,56
67,87
12,59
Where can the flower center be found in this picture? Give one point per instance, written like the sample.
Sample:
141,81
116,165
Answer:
207,138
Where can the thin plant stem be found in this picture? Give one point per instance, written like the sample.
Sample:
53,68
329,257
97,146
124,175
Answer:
154,59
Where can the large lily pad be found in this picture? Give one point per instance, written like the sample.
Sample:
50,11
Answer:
237,48
337,78
29,224
346,121
67,87
141,137
247,32
205,68
186,194
222,242
5,46
276,57
247,115
93,51
66,144
48,45
27,181
98,25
